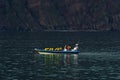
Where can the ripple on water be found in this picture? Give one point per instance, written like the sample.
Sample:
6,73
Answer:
99,61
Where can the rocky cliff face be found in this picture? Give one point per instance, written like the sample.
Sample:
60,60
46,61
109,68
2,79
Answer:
36,15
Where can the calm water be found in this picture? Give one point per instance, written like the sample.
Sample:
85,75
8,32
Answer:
99,58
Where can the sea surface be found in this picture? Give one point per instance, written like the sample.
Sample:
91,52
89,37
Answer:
99,58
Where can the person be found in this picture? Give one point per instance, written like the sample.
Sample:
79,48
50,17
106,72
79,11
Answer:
75,48
67,48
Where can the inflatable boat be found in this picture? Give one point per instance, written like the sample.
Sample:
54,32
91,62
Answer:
40,51
59,50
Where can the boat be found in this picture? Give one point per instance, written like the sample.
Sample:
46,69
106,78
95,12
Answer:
66,50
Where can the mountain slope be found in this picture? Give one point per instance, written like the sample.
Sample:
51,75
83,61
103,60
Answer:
37,15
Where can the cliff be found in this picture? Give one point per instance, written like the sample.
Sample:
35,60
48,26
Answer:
38,15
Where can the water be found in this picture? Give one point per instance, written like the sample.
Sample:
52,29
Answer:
99,58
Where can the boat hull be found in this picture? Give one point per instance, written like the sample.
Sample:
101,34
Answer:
55,52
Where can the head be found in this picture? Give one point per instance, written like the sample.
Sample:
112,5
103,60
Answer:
76,44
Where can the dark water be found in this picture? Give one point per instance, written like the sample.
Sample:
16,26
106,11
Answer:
99,58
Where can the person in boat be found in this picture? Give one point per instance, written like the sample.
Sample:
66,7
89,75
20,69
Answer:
75,48
67,48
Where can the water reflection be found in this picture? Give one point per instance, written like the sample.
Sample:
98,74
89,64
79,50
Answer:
70,59
57,59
